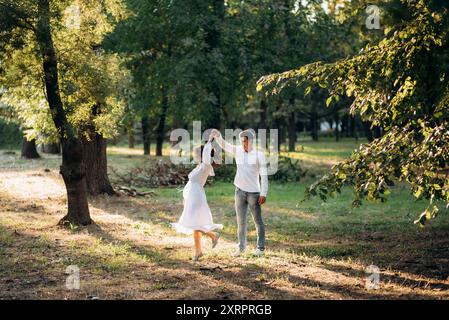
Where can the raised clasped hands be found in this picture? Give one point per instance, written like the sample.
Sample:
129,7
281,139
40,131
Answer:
214,134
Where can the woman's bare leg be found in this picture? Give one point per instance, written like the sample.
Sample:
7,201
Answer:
197,240
211,235
214,237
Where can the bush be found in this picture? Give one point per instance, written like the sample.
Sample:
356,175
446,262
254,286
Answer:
225,172
288,170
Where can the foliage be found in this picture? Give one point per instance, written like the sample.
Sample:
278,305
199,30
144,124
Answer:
10,134
168,52
92,83
289,170
162,45
401,83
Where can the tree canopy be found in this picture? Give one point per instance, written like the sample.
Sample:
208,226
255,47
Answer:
93,84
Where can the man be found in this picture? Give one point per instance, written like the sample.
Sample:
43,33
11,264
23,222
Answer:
251,182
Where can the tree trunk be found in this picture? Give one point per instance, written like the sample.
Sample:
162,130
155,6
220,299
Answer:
279,124
146,135
368,132
377,132
292,132
353,129
263,114
73,173
29,150
314,123
160,130
337,122
130,132
51,148
95,162
72,168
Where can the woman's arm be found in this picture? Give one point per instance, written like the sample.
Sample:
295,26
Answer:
207,150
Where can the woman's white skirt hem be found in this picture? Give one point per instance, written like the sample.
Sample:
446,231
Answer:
189,229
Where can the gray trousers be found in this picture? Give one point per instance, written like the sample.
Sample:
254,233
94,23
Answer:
243,200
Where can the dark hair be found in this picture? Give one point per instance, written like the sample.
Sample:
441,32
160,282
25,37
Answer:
212,152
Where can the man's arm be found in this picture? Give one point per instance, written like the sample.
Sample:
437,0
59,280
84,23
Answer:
263,172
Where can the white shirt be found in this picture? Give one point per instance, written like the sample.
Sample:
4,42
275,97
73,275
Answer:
251,173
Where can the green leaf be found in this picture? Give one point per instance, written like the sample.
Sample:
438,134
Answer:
341,175
418,192
322,85
307,91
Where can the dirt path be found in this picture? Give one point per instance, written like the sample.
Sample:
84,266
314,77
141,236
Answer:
132,254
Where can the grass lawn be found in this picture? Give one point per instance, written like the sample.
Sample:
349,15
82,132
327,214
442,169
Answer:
315,250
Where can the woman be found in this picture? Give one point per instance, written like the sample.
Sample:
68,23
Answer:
196,217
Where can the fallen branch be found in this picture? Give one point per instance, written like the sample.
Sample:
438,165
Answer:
132,192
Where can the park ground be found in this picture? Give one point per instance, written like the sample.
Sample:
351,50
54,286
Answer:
315,250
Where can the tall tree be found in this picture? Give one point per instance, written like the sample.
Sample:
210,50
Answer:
95,83
91,82
72,168
146,134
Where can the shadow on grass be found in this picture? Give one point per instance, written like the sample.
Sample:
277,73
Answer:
386,248
41,255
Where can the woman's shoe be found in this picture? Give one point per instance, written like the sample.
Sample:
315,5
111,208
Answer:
197,257
215,241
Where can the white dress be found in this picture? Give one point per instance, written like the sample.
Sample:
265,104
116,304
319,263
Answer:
196,214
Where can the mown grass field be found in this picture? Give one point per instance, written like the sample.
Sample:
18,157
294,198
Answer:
315,250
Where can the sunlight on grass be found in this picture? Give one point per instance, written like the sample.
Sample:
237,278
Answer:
317,156
113,150
137,150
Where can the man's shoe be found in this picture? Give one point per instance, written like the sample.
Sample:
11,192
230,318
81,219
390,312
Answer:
258,253
237,253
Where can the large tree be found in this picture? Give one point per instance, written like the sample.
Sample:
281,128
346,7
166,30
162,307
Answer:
401,84
94,85
29,31
91,85
72,169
